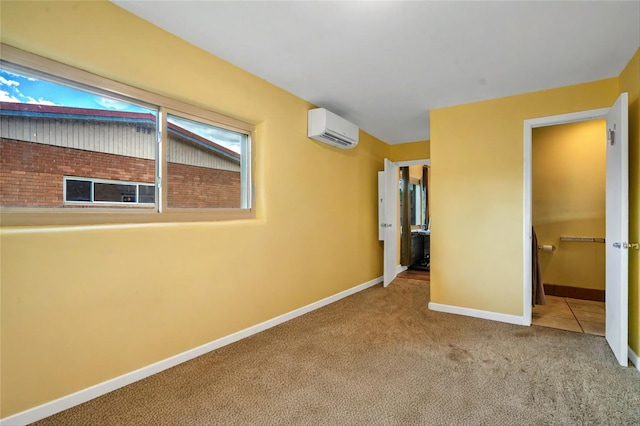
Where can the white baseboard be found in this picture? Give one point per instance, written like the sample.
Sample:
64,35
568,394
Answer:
476,313
633,357
401,268
50,408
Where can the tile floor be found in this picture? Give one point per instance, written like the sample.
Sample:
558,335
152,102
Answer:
582,316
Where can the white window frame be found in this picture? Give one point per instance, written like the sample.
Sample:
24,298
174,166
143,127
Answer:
245,165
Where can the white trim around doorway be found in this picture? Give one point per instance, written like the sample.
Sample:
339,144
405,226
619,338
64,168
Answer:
425,162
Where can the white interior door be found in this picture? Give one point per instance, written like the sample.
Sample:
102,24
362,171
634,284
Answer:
617,229
390,215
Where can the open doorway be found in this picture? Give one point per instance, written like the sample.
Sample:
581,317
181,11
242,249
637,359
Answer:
617,218
389,215
415,247
568,217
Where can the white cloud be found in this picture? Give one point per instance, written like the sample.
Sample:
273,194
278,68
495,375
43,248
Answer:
39,101
6,97
228,139
18,75
112,104
17,91
5,82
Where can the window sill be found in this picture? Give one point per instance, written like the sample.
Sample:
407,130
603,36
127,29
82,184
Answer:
64,216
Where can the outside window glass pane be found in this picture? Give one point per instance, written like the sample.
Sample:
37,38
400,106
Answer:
50,130
78,190
207,165
147,194
114,192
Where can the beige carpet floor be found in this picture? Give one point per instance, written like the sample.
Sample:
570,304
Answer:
380,357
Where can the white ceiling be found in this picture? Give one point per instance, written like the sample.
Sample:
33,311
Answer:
383,65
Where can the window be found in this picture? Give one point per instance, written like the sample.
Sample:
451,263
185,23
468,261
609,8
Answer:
205,165
51,130
78,190
93,145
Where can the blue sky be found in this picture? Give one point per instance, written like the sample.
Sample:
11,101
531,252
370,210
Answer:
18,88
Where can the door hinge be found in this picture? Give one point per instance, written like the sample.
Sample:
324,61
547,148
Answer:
634,246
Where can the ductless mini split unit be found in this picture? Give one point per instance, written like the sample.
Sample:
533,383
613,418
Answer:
325,126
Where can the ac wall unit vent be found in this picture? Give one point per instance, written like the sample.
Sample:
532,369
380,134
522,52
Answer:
325,126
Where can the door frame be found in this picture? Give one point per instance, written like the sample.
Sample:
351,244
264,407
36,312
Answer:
529,125
396,200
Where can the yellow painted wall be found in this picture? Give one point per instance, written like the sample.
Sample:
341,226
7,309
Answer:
568,199
420,150
477,193
84,305
629,81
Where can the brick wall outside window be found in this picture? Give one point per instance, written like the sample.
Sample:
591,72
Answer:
197,187
31,175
